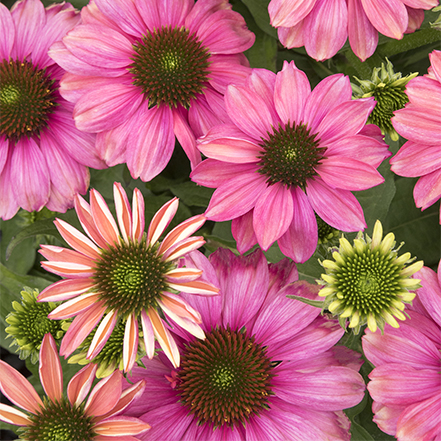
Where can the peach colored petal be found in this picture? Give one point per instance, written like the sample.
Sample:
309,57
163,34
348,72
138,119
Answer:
66,269
102,334
75,306
77,240
51,373
13,416
130,344
196,287
138,215
177,250
80,384
183,275
179,307
65,289
161,220
149,335
17,389
123,211
118,426
103,218
166,341
105,395
60,254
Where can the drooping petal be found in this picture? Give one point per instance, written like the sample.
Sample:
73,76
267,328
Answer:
428,189
51,373
243,232
149,336
80,384
14,416
123,211
104,221
288,13
130,345
161,220
138,216
17,389
430,293
300,239
102,334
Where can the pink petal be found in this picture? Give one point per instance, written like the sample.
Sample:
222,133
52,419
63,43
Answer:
149,12
224,73
29,19
13,416
29,168
201,116
149,336
249,112
428,190
105,395
75,306
111,145
18,389
186,137
51,373
121,425
161,220
435,69
338,208
179,307
225,32
165,339
124,14
416,18
290,105
388,16
326,29
123,211
8,201
243,231
430,293
104,221
263,82
300,240
130,345
346,119
212,173
138,215
151,142
80,384
102,334
76,239
236,197
228,144
181,232
329,93
65,290
273,214
183,247
348,173
414,159
363,37
85,217
68,269
107,107
288,13
183,275
197,287
173,12
7,32
293,36
425,93
80,328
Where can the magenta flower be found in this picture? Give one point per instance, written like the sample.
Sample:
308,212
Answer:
323,26
58,417
124,274
419,122
142,73
289,152
43,157
406,382
267,370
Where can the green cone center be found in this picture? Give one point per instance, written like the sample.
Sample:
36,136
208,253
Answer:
170,66
389,99
27,98
369,281
59,421
290,155
131,277
225,379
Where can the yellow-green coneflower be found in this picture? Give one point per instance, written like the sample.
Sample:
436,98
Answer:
388,89
368,282
29,323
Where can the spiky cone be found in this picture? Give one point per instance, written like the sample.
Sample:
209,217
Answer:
62,418
124,274
28,323
368,282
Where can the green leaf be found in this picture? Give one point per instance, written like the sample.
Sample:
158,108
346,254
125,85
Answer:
192,194
45,226
358,433
15,282
263,53
316,303
259,10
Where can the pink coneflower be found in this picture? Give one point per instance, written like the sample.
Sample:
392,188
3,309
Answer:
406,381
420,123
290,152
69,418
145,72
43,156
268,368
323,26
124,274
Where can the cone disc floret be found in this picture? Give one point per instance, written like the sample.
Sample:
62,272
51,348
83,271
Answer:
290,155
368,282
131,276
59,421
170,66
225,379
27,98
